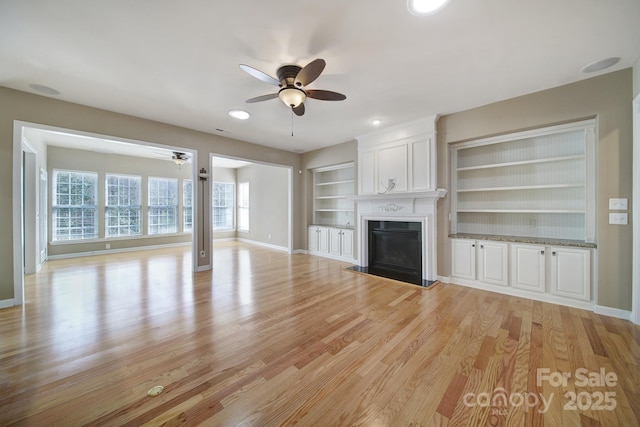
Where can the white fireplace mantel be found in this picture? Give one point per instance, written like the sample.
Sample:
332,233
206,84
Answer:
407,206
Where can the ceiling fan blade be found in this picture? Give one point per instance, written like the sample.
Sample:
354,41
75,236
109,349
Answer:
325,95
260,75
262,98
299,110
310,72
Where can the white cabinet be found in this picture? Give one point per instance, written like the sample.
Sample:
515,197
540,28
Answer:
463,258
485,261
558,274
341,242
398,159
493,266
318,239
528,267
333,242
570,273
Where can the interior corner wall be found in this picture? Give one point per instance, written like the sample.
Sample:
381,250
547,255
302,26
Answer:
22,106
607,97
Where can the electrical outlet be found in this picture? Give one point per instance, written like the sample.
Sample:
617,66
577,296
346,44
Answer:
269,236
618,204
618,218
201,254
107,246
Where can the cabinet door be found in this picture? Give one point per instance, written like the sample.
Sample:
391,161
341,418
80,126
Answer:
335,238
313,239
571,273
323,239
493,263
528,267
463,258
347,243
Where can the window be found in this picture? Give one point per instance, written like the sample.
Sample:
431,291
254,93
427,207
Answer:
187,203
122,210
74,205
163,205
243,206
222,206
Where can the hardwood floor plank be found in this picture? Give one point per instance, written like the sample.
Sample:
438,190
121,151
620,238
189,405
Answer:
271,339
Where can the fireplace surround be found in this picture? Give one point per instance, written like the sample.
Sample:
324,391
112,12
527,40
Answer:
416,208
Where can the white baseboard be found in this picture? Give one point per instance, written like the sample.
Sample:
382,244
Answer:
300,251
612,312
6,303
507,290
117,251
203,268
443,279
266,245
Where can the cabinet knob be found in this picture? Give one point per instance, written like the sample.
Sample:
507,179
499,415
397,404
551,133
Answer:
553,253
473,246
481,246
541,252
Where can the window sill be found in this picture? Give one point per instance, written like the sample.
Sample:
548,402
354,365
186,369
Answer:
113,239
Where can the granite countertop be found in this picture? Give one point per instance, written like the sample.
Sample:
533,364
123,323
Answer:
344,227
531,240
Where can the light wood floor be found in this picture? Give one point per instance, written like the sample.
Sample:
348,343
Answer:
269,339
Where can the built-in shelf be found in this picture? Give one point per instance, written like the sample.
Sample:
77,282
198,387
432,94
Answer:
538,183
348,181
520,187
333,188
523,162
522,211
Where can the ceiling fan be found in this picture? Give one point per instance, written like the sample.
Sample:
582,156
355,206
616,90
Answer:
179,158
292,81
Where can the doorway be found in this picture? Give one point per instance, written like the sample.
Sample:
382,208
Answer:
30,192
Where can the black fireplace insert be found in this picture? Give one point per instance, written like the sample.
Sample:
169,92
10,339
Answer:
395,250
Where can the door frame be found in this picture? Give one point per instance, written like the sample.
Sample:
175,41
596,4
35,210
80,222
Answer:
18,224
635,280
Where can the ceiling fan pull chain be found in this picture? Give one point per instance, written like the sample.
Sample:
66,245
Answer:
292,122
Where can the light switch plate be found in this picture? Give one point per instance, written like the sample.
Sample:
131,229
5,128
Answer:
618,218
618,204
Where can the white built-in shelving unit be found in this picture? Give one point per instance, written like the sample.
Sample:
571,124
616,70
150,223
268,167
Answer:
538,183
332,188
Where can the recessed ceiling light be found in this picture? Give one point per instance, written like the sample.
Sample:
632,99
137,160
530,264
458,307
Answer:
425,7
239,114
376,122
600,65
44,89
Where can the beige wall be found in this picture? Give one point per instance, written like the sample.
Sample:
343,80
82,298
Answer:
636,79
608,98
269,204
16,105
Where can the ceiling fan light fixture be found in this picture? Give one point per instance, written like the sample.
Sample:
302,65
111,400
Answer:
179,158
425,7
292,97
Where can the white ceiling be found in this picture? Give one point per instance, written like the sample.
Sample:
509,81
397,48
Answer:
177,62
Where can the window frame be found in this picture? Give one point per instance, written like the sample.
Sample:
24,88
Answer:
167,211
229,224
243,206
109,207
187,206
87,210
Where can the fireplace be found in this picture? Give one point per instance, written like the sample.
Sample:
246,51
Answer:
395,250
403,229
